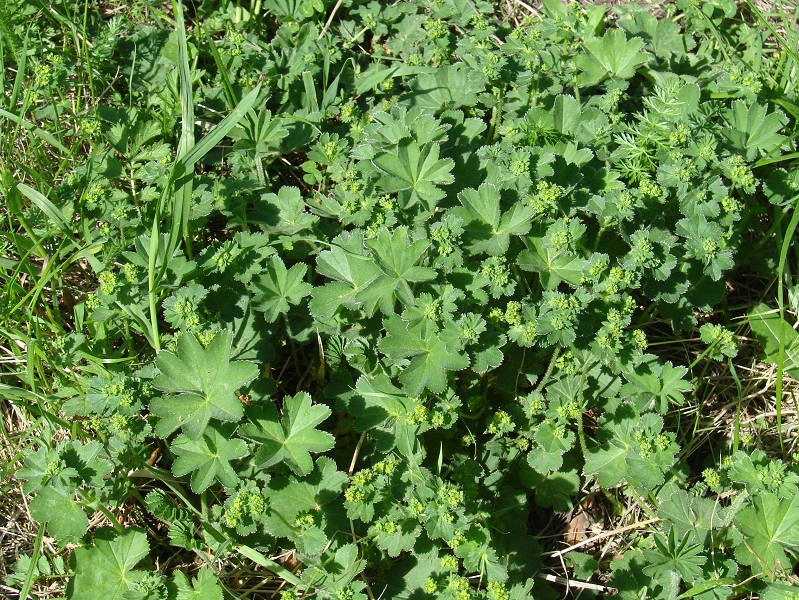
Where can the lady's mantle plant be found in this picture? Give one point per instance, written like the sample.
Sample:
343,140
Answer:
409,314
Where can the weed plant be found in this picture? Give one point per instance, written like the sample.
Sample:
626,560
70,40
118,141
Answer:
423,299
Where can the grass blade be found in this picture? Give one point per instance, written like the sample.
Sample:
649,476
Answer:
37,131
181,204
213,137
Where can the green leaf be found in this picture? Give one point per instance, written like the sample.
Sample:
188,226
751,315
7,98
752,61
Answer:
377,74
105,571
771,330
37,131
612,56
208,458
203,587
690,514
566,113
291,438
554,266
682,557
396,537
430,359
753,129
608,463
771,534
450,86
220,130
397,256
488,229
279,288
66,520
632,447
656,384
352,269
415,171
284,212
315,495
204,383
386,408
336,574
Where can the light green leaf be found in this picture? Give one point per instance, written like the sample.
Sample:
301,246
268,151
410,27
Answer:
607,463
415,170
203,587
352,269
566,113
105,571
612,55
487,228
656,383
293,437
398,258
754,129
284,212
554,266
66,520
279,288
771,533
430,359
208,458
203,382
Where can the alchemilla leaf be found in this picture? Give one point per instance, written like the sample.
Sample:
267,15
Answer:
208,458
430,359
279,288
106,571
201,383
612,55
204,586
292,437
771,531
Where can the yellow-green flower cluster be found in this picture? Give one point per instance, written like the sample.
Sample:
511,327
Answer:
450,495
739,173
546,197
649,188
108,282
501,423
497,591
246,503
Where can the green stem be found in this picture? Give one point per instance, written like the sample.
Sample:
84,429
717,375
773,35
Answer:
152,283
581,402
549,370
787,240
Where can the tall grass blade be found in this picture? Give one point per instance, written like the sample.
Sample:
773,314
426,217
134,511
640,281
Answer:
37,131
181,204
